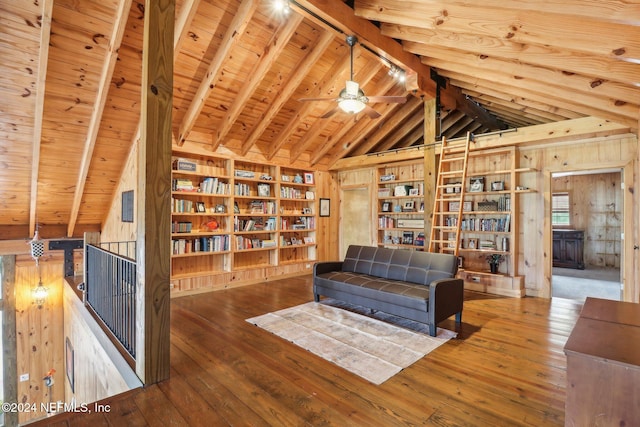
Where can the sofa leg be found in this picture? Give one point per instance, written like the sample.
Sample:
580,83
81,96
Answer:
432,330
459,317
316,297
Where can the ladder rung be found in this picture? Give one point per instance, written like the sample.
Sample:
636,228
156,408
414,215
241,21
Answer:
453,159
450,173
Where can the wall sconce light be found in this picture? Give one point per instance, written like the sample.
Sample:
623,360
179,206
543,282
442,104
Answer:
39,294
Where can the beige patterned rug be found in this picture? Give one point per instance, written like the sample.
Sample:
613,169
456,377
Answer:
374,348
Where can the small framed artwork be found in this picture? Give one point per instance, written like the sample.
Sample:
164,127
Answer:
200,208
127,206
308,240
306,211
264,190
409,206
414,192
476,184
69,364
325,207
497,186
421,209
294,241
308,178
284,178
386,207
473,244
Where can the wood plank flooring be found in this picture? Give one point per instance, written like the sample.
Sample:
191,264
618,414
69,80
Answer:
506,368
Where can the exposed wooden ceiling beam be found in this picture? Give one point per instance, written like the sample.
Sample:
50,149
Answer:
183,22
109,64
531,28
294,80
43,59
230,40
440,57
541,93
544,109
491,98
411,123
400,116
269,57
557,58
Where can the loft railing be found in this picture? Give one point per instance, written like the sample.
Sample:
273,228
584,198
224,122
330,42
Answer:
110,286
127,248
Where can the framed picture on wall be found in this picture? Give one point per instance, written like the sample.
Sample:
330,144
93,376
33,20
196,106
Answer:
308,178
325,207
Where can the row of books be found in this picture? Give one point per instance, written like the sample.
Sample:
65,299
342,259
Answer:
386,222
219,243
301,223
254,224
214,186
180,205
292,193
486,224
262,207
181,184
243,242
407,238
181,227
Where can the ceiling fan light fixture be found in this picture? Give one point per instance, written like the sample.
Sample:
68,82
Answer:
352,106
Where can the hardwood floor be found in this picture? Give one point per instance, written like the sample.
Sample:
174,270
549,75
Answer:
506,368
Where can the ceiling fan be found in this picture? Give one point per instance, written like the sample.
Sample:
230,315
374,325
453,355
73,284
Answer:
352,99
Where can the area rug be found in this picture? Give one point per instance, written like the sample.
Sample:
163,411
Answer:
374,348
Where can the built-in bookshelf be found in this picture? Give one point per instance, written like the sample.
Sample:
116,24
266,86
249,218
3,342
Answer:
401,205
230,215
489,226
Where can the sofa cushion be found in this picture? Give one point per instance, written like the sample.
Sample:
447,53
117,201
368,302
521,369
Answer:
395,292
409,266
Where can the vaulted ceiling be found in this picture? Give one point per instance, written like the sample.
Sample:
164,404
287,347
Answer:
71,75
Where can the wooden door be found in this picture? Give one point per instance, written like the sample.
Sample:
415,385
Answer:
355,218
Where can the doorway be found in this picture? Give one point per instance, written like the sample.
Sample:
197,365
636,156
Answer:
355,220
587,228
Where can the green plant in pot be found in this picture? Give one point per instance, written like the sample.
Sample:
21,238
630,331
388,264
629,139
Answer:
494,261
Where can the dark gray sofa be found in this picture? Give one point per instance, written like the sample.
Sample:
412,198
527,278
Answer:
416,285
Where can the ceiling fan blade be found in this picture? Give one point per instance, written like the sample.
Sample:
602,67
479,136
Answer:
389,99
316,99
330,113
373,114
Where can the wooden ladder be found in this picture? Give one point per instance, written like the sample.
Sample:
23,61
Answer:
450,188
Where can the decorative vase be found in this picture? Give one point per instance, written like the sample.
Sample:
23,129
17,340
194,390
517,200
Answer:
493,267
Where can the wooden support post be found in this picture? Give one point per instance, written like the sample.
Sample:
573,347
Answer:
154,194
429,161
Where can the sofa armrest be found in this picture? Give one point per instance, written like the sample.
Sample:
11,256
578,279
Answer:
446,297
326,266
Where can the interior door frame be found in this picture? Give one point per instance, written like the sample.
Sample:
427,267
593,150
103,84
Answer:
627,251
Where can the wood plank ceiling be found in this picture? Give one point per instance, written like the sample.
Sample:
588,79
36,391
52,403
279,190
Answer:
71,75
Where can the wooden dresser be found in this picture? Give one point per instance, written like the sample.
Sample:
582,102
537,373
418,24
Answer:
603,365
568,248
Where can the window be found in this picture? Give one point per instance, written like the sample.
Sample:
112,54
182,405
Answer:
560,215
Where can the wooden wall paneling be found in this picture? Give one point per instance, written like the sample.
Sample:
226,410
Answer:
98,373
39,336
585,155
113,229
9,350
